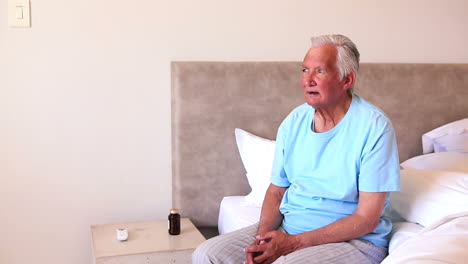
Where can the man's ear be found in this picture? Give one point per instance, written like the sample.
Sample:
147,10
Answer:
349,80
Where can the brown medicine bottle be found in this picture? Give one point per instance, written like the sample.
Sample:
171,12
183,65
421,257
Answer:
174,222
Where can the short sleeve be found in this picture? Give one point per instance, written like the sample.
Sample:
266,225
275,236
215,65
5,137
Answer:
379,168
278,174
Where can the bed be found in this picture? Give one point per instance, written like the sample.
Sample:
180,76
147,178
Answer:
211,99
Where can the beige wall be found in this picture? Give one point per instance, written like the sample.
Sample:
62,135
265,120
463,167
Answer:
85,96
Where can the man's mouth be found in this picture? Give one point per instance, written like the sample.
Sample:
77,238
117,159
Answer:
313,93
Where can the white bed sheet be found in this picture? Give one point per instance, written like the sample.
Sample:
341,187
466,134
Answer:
401,232
445,241
235,214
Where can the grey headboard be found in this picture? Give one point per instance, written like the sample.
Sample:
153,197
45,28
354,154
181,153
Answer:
210,99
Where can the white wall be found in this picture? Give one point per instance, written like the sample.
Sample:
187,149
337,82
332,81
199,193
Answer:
85,96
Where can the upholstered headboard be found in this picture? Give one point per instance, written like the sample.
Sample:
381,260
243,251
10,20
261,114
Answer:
211,99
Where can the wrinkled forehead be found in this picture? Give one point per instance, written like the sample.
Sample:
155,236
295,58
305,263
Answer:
325,55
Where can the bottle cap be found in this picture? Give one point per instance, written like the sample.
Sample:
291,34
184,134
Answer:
174,211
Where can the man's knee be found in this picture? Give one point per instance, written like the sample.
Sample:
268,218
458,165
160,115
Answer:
204,253
227,248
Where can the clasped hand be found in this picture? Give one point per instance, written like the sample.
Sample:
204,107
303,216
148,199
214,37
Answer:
269,247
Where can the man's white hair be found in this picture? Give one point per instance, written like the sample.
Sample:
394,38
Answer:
347,53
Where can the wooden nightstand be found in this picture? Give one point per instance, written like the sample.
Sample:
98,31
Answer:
148,242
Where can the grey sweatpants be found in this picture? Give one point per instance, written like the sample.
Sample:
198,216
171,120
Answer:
228,248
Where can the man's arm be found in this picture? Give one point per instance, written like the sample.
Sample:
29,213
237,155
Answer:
270,218
363,221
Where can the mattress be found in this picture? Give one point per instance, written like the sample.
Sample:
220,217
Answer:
235,214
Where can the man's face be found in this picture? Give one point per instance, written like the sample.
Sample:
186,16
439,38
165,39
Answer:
321,81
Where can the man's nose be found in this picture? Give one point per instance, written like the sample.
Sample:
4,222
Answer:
308,81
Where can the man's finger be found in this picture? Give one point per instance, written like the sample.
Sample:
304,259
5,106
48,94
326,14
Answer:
266,236
262,258
249,259
254,248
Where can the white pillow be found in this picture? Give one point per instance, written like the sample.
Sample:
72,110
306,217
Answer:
428,195
451,143
257,155
449,161
455,128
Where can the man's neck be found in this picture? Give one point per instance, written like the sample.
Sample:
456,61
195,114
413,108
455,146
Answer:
327,118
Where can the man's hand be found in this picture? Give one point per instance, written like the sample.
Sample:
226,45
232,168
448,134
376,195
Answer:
269,247
252,255
270,219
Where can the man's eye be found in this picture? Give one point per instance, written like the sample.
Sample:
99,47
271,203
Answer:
319,70
305,70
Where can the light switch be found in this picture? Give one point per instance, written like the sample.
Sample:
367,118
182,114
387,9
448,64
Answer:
19,13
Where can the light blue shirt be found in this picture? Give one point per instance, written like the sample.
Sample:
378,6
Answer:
324,172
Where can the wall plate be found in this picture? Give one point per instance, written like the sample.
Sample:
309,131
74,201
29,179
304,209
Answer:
19,15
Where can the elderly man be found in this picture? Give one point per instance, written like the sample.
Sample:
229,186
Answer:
336,160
